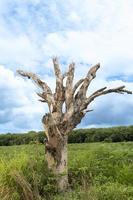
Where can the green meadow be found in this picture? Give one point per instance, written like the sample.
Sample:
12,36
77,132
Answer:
97,171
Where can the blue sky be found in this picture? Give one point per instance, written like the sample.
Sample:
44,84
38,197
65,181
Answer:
87,32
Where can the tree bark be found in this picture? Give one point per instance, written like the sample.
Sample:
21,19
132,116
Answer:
56,157
56,149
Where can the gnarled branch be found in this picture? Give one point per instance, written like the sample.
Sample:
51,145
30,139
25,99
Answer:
104,91
69,87
47,95
36,79
59,95
57,68
80,97
81,94
77,85
83,109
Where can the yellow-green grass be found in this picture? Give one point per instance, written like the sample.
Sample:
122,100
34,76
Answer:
97,171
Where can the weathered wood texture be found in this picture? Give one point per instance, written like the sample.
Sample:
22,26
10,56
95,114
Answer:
59,123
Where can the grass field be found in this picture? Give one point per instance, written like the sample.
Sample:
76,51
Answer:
97,171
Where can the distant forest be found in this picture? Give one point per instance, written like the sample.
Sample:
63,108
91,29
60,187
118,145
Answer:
113,134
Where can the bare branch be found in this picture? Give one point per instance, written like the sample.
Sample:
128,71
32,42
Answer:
90,76
57,68
35,78
47,95
87,110
77,85
59,95
102,91
127,91
69,87
81,94
42,95
70,75
42,100
93,70
81,111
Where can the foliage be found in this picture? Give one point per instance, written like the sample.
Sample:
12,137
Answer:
114,134
24,138
97,171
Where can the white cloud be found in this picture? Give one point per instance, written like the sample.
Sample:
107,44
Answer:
93,47
31,32
73,17
19,50
19,103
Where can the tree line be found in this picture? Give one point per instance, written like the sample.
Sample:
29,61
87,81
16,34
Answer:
113,134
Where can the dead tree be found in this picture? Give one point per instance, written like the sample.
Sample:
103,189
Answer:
59,123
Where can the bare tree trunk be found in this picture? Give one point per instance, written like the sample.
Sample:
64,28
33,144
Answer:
56,157
62,168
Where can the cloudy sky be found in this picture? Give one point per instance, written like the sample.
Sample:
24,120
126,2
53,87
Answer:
87,32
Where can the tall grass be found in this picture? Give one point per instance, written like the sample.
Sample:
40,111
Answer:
97,171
